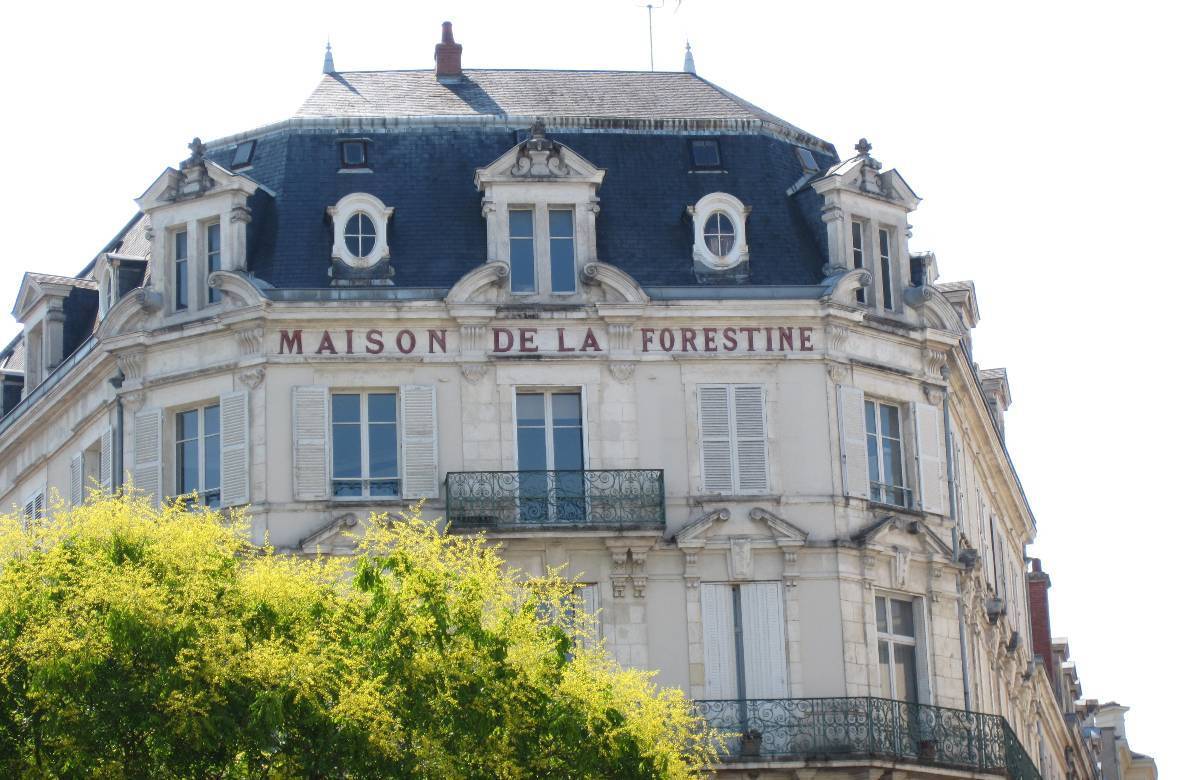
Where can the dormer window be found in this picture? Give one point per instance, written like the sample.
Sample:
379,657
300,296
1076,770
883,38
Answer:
706,154
360,234
360,240
551,256
878,258
354,154
719,244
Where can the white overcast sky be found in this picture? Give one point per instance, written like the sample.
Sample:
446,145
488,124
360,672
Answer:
1053,144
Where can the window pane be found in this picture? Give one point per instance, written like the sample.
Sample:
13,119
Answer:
383,450
562,265
181,245
188,466
706,154
212,461
354,153
881,614
902,617
562,223
906,672
345,408
243,153
893,463
347,451
385,488
885,281
870,411
531,449
520,223
212,420
885,669
520,250
889,421
381,407
568,449
214,237
884,245
531,409
345,489
566,408
186,425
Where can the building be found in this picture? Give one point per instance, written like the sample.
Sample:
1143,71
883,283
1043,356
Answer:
625,323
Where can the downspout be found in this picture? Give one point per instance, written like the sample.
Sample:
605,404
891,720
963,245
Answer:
952,489
118,445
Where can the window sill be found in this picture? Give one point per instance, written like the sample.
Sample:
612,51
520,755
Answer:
355,170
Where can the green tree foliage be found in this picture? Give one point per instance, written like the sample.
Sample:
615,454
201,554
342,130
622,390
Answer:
138,643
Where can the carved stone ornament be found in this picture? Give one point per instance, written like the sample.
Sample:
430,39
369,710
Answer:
741,559
933,360
473,372
132,365
838,372
933,394
622,370
253,377
133,400
900,567
838,335
539,157
250,340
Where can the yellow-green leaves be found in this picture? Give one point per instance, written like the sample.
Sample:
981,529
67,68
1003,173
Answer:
143,643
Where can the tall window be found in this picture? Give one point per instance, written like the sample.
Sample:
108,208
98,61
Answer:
562,250
550,456
733,438
896,624
859,252
212,248
885,267
181,270
198,454
885,454
520,251
745,653
366,445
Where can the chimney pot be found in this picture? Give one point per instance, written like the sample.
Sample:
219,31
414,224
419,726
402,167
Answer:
447,57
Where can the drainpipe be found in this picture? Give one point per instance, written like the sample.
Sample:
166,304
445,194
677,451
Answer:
118,445
952,489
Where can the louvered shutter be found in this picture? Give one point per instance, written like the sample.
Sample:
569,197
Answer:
77,479
147,454
235,449
763,640
589,597
310,442
853,429
106,460
929,458
418,432
720,662
750,425
716,450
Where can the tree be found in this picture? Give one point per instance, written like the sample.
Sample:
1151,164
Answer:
143,643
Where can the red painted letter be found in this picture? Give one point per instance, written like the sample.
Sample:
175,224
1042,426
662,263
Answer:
805,339
326,344
689,340
437,337
562,342
527,335
405,341
710,339
374,342
589,342
292,341
497,333
730,335
647,338
785,337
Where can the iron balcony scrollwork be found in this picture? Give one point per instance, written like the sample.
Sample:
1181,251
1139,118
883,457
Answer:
610,498
867,727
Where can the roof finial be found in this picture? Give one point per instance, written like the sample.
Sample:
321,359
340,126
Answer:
198,150
689,64
863,147
328,59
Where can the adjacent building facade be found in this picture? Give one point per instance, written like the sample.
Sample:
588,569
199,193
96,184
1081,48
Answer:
625,323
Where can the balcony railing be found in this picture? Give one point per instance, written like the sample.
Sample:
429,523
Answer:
606,498
867,727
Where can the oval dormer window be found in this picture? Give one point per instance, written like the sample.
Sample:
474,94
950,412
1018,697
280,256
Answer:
360,234
719,234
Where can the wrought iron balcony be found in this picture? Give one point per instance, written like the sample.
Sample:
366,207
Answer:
867,727
598,498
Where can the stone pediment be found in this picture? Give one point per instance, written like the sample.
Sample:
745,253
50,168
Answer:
539,159
196,178
864,174
758,525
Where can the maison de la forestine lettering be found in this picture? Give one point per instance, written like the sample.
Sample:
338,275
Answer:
625,323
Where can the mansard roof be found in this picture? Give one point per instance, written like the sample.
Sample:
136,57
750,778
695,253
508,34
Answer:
633,96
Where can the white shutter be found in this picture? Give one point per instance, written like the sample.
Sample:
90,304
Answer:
929,458
763,640
853,428
720,661
235,449
310,442
147,454
77,479
750,423
106,461
589,597
716,450
418,432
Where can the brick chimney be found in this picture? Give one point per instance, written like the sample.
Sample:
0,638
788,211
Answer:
1039,615
447,57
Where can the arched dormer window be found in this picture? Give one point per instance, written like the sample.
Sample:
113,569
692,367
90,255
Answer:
360,242
719,233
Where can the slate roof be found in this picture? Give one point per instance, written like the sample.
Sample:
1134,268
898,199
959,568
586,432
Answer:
87,284
601,95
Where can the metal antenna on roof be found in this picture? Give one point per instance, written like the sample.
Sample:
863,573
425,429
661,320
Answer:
328,58
650,9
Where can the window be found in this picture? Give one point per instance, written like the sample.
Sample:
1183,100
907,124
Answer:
718,234
181,270
706,153
885,267
859,253
212,248
562,250
744,646
733,438
243,153
35,507
808,163
550,456
198,454
520,251
366,445
360,234
896,622
354,154
885,455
